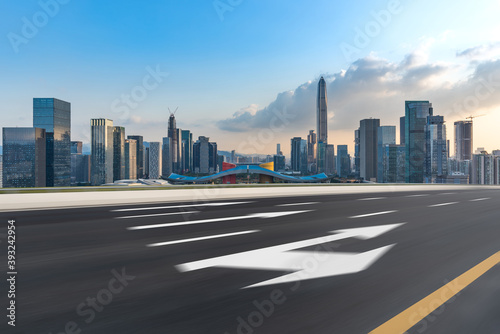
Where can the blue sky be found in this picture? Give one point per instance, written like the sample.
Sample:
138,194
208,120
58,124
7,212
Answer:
262,56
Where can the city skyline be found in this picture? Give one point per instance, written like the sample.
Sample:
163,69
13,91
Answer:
237,87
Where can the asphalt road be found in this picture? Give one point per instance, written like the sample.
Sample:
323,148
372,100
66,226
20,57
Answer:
137,269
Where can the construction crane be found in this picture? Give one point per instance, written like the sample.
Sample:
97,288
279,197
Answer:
173,112
472,117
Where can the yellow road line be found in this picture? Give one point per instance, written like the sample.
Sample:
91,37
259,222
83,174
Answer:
414,314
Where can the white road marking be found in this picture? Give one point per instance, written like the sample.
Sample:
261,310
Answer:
442,204
371,198
294,204
215,220
374,214
201,238
447,193
480,199
417,195
180,206
159,214
282,257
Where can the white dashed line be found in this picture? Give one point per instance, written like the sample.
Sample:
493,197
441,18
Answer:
374,214
418,195
159,214
294,204
479,199
180,206
371,198
201,238
442,204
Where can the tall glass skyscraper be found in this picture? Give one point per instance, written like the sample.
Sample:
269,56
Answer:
102,151
436,151
322,125
416,113
24,157
368,139
187,151
140,155
463,140
118,153
386,136
54,116
343,161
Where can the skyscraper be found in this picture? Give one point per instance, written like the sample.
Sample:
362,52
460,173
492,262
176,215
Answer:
463,140
204,156
187,151
357,162
386,136
343,161
155,160
330,160
173,134
416,113
394,164
166,164
54,116
130,159
139,155
102,151
436,152
299,155
402,134
368,139
76,147
24,154
118,153
80,164
311,152
483,168
322,125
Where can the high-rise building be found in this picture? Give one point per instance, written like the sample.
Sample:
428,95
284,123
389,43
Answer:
102,151
278,149
416,113
146,160
80,169
166,164
343,161
322,126
330,160
54,116
436,152
386,136
118,153
173,134
483,168
368,139
24,154
187,151
155,160
204,156
298,155
357,160
311,152
130,159
233,159
463,140
279,163
1,171
393,163
140,155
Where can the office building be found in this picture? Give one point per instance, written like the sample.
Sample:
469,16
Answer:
322,126
393,163
130,159
416,113
483,169
368,139
140,155
146,160
330,160
118,153
463,140
279,163
24,154
155,160
311,152
204,156
357,162
436,152
80,169
187,151
54,116
402,130
278,149
102,151
386,136
166,164
298,155
1,171
343,161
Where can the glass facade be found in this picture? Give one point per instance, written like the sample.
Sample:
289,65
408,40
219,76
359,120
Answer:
386,136
140,154
416,113
393,163
118,153
54,116
436,155
130,159
187,151
102,151
463,140
343,161
368,139
24,154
